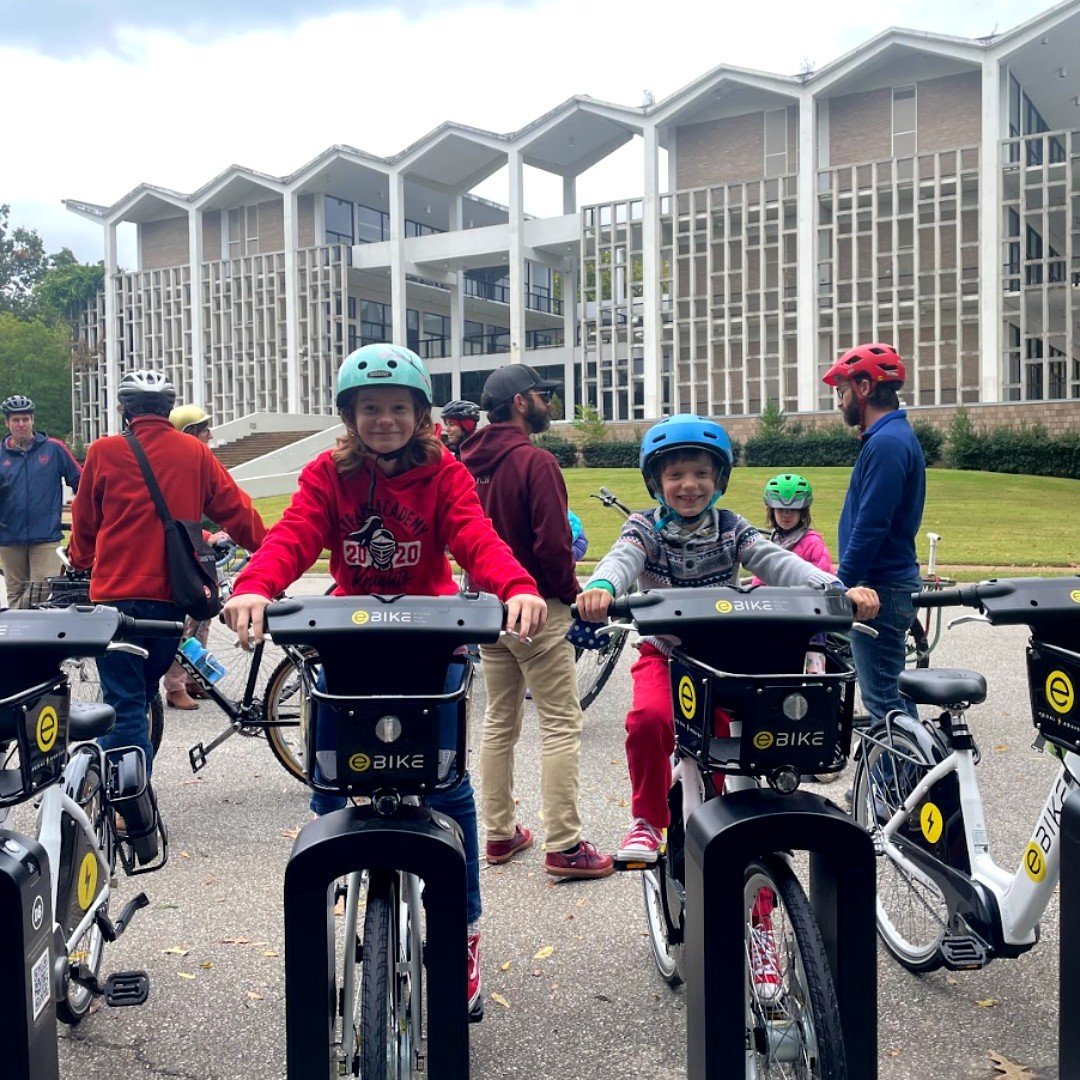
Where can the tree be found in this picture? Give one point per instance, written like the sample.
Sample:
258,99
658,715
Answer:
67,287
35,360
590,423
23,264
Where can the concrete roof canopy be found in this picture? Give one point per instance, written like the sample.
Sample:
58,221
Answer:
234,187
576,135
345,173
453,158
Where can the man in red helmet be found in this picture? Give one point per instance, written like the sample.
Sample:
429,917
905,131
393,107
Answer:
881,515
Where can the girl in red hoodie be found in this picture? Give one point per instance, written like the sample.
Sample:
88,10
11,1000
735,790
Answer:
388,502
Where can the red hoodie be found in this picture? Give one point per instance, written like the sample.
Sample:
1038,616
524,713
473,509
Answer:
397,546
521,489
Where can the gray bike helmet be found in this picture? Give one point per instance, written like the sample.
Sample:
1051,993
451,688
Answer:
17,403
461,410
150,391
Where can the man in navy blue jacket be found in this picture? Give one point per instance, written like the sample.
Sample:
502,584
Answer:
32,465
881,515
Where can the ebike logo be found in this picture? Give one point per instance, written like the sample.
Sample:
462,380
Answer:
763,740
37,912
359,762
1074,596
47,728
687,697
931,822
88,871
360,617
774,606
1034,863
724,606
1059,692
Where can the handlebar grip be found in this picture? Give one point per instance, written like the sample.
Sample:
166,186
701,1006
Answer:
283,607
142,628
968,596
619,608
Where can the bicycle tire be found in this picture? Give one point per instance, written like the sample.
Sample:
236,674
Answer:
667,956
282,709
882,781
796,1031
75,1003
386,1051
593,668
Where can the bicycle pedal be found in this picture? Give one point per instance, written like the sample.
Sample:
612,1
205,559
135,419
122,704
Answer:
963,952
124,988
632,864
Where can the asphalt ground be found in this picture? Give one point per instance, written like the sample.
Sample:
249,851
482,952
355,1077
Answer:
212,938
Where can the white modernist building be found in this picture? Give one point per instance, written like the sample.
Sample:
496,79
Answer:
922,189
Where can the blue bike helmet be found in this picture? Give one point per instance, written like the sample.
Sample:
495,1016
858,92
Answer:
685,432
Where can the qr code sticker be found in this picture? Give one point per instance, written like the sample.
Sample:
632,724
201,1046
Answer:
40,973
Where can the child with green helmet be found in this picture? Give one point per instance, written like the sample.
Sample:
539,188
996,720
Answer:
787,509
388,502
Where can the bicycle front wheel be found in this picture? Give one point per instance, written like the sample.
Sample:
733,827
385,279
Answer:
667,955
912,912
282,711
792,1015
593,668
387,1050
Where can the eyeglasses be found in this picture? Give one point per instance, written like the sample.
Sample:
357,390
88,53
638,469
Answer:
543,395
842,390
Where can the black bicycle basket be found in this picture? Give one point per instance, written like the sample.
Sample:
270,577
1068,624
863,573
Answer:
797,721
60,591
1054,689
37,722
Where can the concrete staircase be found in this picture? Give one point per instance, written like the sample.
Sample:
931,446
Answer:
249,447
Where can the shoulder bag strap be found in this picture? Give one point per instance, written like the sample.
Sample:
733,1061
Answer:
148,476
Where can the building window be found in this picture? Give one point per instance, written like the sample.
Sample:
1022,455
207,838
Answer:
374,322
374,225
776,163
904,121
242,226
339,221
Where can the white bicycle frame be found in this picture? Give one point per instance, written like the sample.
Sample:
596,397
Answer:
1021,896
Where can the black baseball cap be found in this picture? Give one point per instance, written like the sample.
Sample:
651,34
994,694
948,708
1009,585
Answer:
513,379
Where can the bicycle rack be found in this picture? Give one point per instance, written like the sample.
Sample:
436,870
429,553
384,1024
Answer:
1068,975
27,1005
418,841
722,837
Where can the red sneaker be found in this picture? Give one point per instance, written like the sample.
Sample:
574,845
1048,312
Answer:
583,862
500,851
765,972
474,971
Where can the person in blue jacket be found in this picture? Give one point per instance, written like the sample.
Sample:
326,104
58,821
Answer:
881,515
31,469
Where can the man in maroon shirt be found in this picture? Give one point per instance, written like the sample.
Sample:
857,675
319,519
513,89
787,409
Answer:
522,490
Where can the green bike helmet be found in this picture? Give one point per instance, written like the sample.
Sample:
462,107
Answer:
383,365
789,491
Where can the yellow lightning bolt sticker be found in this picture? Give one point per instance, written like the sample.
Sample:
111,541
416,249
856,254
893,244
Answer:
931,822
88,872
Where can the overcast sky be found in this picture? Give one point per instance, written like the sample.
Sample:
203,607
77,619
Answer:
102,95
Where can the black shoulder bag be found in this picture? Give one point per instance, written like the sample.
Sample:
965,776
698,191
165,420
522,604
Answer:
192,569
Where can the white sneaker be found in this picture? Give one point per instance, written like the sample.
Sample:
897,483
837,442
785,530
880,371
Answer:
641,843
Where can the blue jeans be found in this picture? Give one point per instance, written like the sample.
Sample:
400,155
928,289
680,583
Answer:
457,803
879,661
129,683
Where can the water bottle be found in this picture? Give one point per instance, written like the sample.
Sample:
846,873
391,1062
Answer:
204,662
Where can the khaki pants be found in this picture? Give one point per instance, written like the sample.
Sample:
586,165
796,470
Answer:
546,667
24,563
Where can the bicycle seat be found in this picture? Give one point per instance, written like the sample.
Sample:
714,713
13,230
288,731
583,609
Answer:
942,686
89,720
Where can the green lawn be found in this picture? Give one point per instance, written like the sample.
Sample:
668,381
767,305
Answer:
989,522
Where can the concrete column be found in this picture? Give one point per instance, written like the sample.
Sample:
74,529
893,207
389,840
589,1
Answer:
806,254
112,335
990,233
457,306
292,305
569,194
198,391
398,298
650,241
517,257
570,320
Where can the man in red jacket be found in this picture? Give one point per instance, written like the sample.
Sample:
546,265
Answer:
521,489
116,533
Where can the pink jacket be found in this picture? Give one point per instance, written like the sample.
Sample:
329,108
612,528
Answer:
809,547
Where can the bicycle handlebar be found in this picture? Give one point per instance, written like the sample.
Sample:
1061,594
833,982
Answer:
130,628
964,596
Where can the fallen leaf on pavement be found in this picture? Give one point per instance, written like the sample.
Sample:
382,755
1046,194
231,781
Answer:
291,834
505,965
271,952
987,1003
235,941
176,950
1010,1069
252,996
206,965
544,953
185,975
500,1000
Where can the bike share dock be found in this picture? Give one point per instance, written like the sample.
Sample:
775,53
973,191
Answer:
722,837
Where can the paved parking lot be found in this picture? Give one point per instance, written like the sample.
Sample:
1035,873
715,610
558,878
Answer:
211,938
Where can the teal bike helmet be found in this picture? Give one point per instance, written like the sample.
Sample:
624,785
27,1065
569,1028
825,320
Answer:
788,491
685,432
383,365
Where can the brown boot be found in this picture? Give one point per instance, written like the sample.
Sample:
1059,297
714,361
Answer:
194,690
178,699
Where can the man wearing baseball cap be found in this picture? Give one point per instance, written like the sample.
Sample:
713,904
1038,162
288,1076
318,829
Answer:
521,489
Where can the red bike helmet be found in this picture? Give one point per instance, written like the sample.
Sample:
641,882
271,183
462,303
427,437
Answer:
878,362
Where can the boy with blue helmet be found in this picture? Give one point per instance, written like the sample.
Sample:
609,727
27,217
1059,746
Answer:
687,541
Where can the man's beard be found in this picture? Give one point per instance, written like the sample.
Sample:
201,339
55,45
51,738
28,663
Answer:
537,418
851,412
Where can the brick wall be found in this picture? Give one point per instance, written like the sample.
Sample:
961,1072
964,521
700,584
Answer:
860,127
720,151
1058,417
163,243
211,236
305,224
949,112
271,226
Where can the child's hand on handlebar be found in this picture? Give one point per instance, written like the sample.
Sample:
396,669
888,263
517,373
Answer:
242,610
866,602
593,604
525,615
